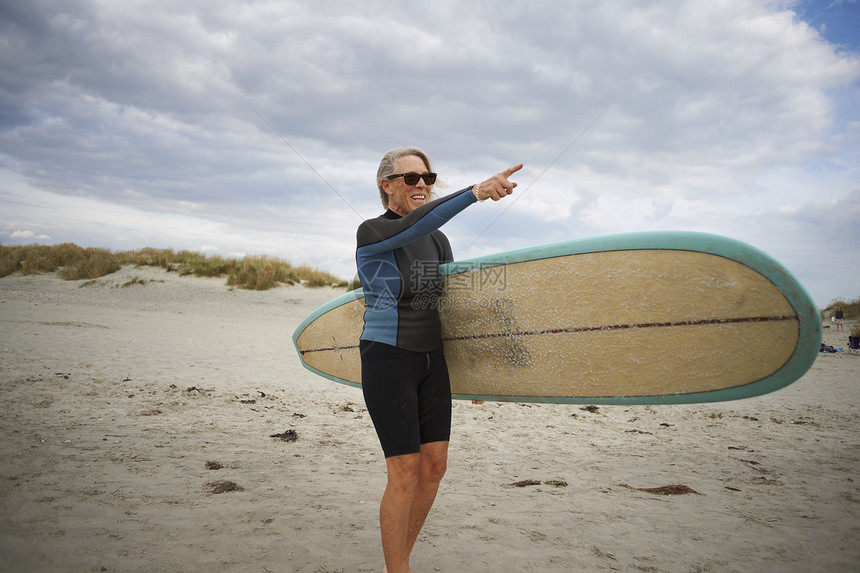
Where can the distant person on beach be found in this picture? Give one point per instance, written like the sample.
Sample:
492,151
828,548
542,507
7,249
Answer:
403,371
840,318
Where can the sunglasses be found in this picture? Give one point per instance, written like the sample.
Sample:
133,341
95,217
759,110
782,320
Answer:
412,178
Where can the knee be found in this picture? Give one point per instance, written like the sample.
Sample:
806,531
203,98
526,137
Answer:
433,468
405,474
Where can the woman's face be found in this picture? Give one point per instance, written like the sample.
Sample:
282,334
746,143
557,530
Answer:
403,198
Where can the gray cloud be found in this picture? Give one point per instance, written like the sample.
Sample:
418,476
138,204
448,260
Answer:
160,113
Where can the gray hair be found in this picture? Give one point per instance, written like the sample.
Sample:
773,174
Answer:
386,167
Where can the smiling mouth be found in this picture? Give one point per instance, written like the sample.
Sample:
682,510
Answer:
419,197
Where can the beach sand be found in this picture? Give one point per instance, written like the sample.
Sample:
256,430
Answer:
118,399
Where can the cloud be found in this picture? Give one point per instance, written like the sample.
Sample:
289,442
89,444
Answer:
28,236
257,127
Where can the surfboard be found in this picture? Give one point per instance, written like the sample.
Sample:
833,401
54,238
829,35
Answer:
640,318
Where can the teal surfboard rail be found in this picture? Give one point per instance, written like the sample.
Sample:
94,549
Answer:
809,322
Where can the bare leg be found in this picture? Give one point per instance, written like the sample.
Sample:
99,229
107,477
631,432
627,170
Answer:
394,510
413,480
433,463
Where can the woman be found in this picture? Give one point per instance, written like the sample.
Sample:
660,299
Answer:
404,375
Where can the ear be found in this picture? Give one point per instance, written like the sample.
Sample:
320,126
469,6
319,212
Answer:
386,186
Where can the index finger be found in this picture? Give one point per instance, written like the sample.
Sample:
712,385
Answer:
511,170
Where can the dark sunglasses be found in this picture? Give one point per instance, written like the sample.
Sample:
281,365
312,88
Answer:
412,178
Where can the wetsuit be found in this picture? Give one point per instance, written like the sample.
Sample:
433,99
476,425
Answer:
404,375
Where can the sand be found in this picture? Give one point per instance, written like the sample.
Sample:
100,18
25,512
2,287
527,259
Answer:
118,399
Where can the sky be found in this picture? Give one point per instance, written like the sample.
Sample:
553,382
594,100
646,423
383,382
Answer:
249,128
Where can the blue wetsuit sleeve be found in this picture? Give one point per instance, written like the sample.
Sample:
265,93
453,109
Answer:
379,235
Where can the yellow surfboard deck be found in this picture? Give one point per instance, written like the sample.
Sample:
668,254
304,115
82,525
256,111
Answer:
645,318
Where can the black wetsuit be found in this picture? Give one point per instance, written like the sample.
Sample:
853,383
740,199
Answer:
404,375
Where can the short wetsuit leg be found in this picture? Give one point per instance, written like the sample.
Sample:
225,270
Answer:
408,396
434,400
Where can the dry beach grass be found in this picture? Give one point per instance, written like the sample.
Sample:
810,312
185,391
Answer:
169,426
71,262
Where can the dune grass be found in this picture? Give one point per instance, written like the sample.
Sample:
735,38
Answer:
72,262
69,260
